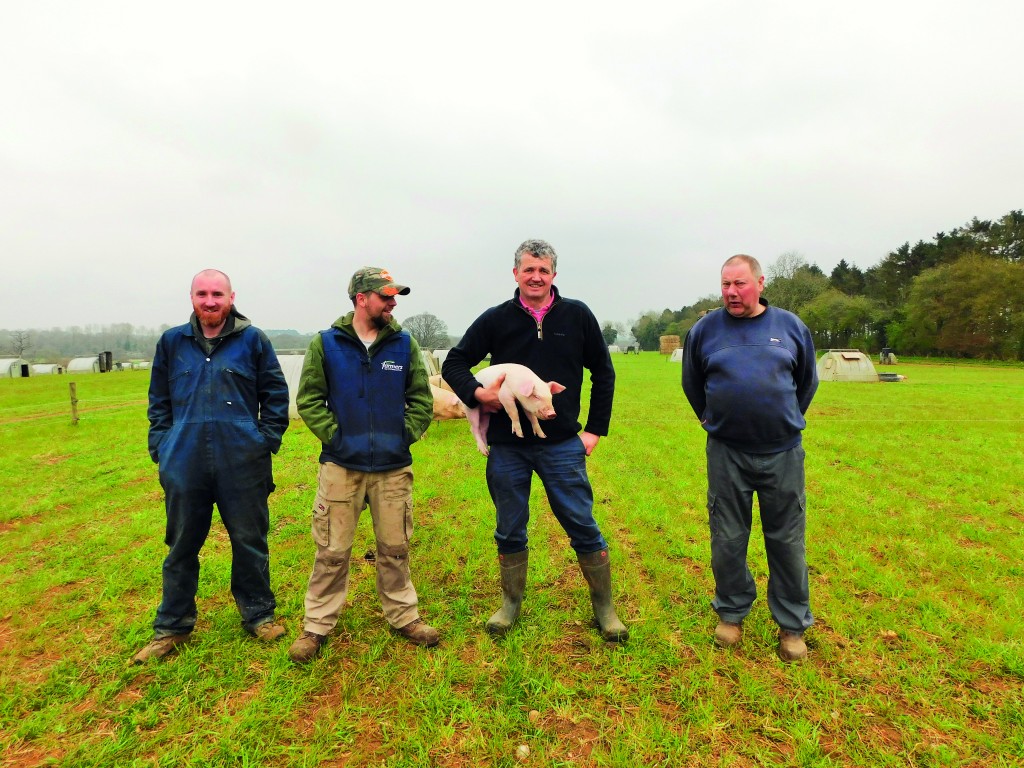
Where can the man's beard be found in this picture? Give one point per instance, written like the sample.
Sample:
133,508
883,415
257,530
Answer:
213,319
381,321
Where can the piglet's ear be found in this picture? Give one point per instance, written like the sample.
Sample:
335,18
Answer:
525,388
555,387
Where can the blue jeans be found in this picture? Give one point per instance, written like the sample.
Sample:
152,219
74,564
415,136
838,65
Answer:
778,479
562,468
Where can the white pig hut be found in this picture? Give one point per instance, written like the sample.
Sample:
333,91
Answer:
291,367
47,369
429,362
84,365
15,368
846,365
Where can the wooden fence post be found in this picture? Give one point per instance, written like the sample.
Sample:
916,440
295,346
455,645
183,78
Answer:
74,403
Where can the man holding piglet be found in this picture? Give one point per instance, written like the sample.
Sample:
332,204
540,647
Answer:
557,338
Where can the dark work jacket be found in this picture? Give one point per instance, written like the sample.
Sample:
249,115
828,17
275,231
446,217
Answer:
557,349
367,397
223,412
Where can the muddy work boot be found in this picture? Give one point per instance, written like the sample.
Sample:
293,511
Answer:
160,647
791,646
306,647
513,585
268,631
728,634
597,571
420,633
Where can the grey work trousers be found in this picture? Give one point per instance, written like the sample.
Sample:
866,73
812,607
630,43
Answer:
341,496
778,479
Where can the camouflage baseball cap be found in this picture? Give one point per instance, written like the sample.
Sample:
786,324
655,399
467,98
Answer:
377,280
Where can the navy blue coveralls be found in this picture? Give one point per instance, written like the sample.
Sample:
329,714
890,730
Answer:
215,419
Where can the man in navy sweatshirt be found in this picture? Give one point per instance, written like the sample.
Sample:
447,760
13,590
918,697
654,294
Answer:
749,374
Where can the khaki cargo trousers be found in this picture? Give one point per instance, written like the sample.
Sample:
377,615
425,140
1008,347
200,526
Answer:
341,496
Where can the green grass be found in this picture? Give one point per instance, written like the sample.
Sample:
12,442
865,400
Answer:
914,540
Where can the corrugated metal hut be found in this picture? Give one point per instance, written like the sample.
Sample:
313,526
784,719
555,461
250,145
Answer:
846,365
47,369
84,365
291,366
15,368
429,362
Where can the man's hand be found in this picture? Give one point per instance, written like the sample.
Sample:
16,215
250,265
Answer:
487,397
589,441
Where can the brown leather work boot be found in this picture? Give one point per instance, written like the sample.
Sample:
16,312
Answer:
268,631
160,647
791,646
728,634
306,647
421,633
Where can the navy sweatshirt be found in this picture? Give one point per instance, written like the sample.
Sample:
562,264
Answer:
751,379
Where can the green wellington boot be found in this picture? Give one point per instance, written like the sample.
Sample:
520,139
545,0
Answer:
598,573
513,584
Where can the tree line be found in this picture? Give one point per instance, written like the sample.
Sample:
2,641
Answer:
54,345
123,340
958,295
127,342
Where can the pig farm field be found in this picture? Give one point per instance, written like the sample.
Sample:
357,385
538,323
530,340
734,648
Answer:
915,535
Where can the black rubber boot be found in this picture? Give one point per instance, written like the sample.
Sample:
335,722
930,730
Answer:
598,573
513,584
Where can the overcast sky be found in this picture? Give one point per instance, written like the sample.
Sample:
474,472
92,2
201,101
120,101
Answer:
289,144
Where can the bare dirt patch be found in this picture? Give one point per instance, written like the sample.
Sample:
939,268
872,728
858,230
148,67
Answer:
235,703
135,692
576,739
22,755
53,461
985,682
6,634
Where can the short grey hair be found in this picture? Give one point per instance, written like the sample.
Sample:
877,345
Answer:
750,261
541,249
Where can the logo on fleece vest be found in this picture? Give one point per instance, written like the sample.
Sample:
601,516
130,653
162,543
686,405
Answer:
391,365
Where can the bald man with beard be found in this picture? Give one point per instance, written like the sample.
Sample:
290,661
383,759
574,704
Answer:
218,408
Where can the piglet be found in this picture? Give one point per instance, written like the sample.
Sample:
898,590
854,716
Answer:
520,384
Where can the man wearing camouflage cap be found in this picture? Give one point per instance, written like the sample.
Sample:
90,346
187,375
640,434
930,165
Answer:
364,392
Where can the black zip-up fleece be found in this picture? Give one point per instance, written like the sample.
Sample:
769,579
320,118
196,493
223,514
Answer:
558,349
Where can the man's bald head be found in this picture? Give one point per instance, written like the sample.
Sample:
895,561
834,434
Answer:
209,273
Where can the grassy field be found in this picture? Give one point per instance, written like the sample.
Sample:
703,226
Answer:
917,582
